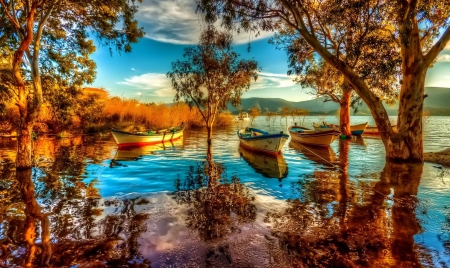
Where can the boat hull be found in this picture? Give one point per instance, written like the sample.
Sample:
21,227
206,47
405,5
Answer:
267,143
359,129
126,139
317,138
356,130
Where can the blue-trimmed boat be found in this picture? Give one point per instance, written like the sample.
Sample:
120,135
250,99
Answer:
258,140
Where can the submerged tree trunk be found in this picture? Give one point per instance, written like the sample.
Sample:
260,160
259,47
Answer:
407,144
24,147
344,114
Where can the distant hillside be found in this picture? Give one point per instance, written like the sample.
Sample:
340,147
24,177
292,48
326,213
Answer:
437,103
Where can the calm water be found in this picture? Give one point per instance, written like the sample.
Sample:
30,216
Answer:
93,204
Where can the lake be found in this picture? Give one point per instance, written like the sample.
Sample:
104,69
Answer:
93,204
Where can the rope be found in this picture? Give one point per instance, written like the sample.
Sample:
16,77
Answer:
337,167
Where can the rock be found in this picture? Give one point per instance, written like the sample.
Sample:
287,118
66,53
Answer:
442,157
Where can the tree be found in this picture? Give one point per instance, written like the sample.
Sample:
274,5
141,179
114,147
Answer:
211,76
50,38
420,29
254,112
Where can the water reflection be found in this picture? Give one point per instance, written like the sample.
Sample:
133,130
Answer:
323,155
51,217
134,153
270,166
217,205
328,227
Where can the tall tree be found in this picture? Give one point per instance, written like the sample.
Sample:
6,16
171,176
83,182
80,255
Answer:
51,36
211,76
420,28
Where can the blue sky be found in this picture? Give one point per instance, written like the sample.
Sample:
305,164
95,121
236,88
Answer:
172,25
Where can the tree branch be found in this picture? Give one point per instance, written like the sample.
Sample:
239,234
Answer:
436,49
16,24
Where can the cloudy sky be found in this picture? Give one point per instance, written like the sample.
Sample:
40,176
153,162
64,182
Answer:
170,26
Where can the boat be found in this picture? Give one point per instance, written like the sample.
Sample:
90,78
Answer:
310,136
244,116
323,155
258,140
325,127
373,130
356,130
126,139
270,166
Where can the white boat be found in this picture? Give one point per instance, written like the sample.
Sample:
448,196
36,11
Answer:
356,130
309,136
125,139
258,140
244,116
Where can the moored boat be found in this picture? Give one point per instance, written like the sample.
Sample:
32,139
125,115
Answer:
356,130
373,130
309,136
126,139
258,140
325,127
244,116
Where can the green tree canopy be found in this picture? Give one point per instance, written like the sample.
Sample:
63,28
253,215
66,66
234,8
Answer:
212,75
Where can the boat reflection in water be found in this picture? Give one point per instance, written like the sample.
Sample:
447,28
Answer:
320,154
134,153
270,166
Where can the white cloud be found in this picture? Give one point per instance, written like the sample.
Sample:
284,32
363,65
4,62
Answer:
175,21
272,80
133,69
150,84
443,58
158,85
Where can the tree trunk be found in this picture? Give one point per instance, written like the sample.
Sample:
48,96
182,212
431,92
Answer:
344,114
407,144
24,145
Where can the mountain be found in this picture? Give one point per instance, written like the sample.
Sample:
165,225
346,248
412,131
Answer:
436,103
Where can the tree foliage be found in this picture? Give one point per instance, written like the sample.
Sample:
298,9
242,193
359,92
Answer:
212,75
49,43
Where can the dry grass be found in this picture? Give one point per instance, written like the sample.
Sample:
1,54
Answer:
130,114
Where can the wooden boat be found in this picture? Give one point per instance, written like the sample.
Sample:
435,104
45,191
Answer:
258,140
243,116
373,130
309,136
270,166
125,139
320,154
325,127
356,130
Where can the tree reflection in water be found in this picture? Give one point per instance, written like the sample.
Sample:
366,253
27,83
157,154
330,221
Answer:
50,217
217,205
336,224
